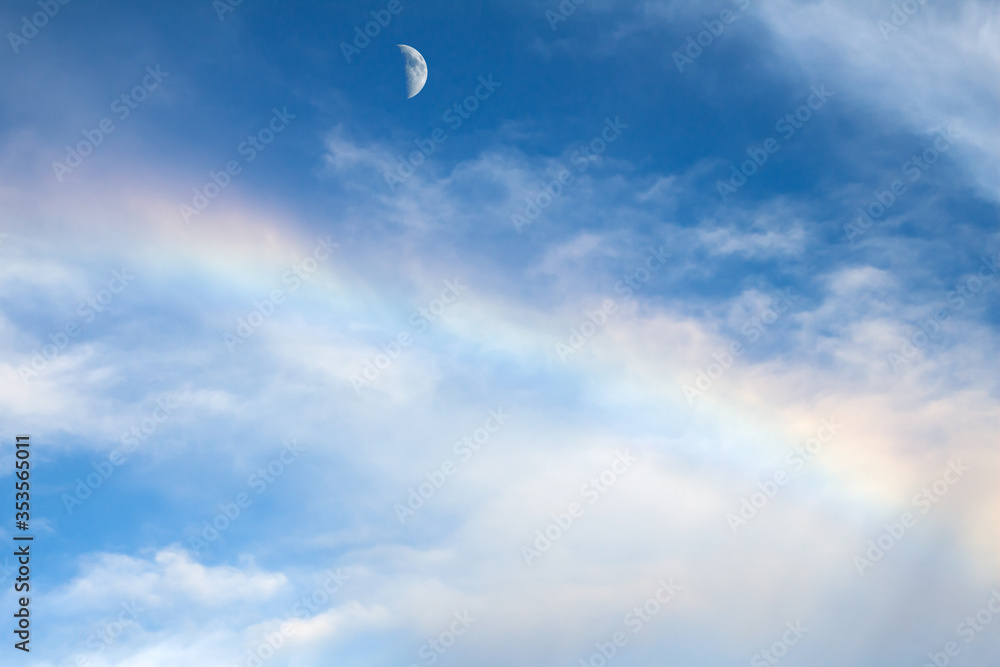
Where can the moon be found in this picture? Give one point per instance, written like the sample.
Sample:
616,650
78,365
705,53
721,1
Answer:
416,70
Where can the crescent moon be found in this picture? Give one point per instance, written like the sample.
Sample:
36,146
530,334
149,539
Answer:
416,70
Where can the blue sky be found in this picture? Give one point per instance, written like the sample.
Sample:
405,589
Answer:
398,392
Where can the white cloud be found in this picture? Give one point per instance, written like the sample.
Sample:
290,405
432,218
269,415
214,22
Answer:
171,578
